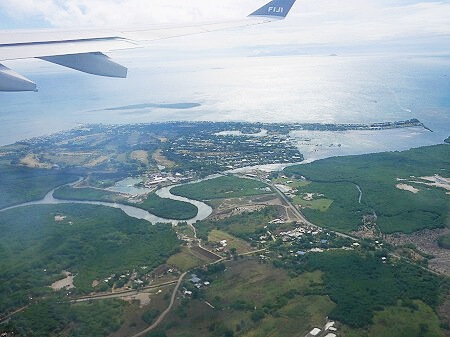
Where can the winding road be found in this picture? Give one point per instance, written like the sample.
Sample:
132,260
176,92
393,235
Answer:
164,314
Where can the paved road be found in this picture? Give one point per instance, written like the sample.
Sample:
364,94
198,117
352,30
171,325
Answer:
164,314
301,217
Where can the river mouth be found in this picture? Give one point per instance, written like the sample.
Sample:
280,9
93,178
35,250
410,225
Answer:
204,210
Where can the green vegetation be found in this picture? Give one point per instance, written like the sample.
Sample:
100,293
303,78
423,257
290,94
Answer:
321,204
22,184
283,308
294,183
243,225
162,207
232,242
406,319
92,242
444,241
168,208
185,260
87,194
338,209
360,284
376,174
150,315
222,187
56,318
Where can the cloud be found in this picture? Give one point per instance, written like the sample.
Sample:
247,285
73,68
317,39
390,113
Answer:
69,13
312,21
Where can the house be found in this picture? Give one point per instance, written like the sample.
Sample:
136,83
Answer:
330,335
195,279
314,332
329,325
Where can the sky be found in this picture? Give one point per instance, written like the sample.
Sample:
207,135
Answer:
311,22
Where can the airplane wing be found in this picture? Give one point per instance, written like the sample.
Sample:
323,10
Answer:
83,50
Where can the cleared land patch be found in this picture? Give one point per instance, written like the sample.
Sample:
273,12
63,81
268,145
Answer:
321,204
186,259
215,236
406,187
160,159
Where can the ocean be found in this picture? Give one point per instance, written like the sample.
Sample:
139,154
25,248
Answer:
290,88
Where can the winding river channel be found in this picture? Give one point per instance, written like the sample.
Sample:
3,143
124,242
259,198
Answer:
204,210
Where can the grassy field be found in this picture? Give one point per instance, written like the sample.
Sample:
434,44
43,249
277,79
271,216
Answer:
376,174
282,308
21,184
185,260
162,207
291,182
295,319
240,245
92,242
321,204
222,187
241,225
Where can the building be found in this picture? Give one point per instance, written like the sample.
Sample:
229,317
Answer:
314,332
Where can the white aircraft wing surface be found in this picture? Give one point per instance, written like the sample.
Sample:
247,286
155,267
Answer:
84,50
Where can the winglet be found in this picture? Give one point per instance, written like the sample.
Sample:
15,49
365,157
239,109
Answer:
276,9
12,81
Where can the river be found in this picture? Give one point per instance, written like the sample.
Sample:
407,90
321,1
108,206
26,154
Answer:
204,210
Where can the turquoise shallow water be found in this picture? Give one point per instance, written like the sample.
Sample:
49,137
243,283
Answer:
268,89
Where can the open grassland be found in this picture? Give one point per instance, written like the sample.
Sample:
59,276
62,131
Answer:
54,317
215,236
222,187
283,306
162,207
22,184
320,204
294,319
186,259
241,225
377,174
257,284
92,242
291,182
